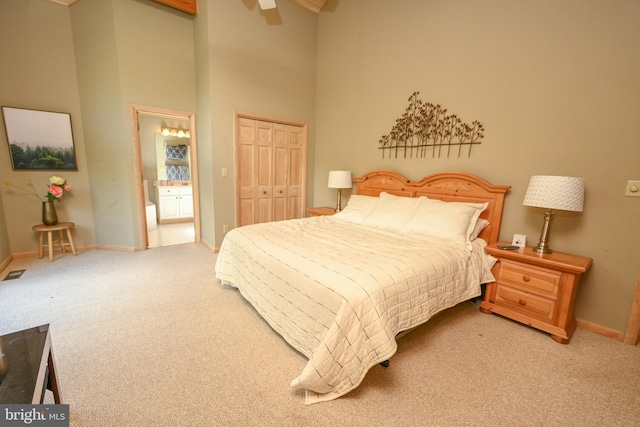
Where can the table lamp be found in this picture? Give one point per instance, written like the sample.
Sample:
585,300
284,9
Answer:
339,180
553,192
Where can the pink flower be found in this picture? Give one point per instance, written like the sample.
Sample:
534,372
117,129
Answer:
55,191
67,187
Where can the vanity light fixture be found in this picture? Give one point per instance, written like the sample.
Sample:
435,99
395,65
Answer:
339,180
565,193
179,133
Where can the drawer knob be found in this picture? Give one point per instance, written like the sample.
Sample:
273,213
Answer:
264,192
526,278
522,302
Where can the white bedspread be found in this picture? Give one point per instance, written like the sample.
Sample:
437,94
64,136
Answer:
339,292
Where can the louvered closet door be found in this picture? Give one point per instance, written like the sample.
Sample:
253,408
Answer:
271,171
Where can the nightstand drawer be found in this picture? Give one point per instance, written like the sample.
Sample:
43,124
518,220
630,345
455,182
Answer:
540,281
530,304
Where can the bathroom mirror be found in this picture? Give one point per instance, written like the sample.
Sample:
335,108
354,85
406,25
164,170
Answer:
172,159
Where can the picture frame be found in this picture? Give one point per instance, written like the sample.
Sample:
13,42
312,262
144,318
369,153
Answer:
40,140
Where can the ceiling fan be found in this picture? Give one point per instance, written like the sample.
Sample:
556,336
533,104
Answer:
313,5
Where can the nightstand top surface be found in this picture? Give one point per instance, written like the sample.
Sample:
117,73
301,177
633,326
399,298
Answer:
322,210
560,260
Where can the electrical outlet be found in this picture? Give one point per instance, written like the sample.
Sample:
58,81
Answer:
519,240
225,228
633,189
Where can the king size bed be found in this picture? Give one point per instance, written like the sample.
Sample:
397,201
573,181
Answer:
340,288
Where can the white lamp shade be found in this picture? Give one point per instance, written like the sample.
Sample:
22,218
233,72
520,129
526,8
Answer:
267,4
340,179
555,192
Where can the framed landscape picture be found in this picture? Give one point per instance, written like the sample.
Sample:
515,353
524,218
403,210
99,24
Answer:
39,139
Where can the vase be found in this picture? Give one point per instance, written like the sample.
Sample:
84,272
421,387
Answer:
49,216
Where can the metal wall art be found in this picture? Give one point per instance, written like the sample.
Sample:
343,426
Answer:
424,126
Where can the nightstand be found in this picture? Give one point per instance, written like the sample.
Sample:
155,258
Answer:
321,211
538,290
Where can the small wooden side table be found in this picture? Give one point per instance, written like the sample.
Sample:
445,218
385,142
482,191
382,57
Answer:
321,211
49,229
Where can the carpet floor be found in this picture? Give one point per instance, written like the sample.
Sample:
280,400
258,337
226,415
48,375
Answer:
151,339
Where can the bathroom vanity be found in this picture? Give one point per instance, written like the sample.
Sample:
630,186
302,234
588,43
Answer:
175,203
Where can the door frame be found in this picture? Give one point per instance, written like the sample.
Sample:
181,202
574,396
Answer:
632,334
136,111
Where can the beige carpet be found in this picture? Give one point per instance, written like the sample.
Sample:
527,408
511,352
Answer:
151,339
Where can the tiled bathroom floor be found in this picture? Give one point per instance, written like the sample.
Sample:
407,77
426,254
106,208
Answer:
171,234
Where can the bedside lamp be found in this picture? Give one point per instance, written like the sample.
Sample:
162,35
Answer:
553,192
339,180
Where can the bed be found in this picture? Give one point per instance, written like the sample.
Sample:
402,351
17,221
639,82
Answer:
340,288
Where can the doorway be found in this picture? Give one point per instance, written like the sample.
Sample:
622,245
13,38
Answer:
166,171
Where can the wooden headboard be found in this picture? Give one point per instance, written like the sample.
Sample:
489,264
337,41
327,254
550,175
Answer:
447,186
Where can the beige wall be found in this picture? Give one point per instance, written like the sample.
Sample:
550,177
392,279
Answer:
38,72
110,54
259,62
555,84
127,53
92,60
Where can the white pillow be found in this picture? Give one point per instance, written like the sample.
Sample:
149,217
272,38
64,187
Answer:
357,209
391,212
481,224
452,221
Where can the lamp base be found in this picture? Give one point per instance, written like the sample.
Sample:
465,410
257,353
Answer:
543,244
542,249
339,201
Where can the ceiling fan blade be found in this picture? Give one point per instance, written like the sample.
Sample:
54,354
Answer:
267,4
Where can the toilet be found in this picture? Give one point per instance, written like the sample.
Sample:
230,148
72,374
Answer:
152,222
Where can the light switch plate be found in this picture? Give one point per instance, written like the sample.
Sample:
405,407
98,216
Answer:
633,189
519,240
